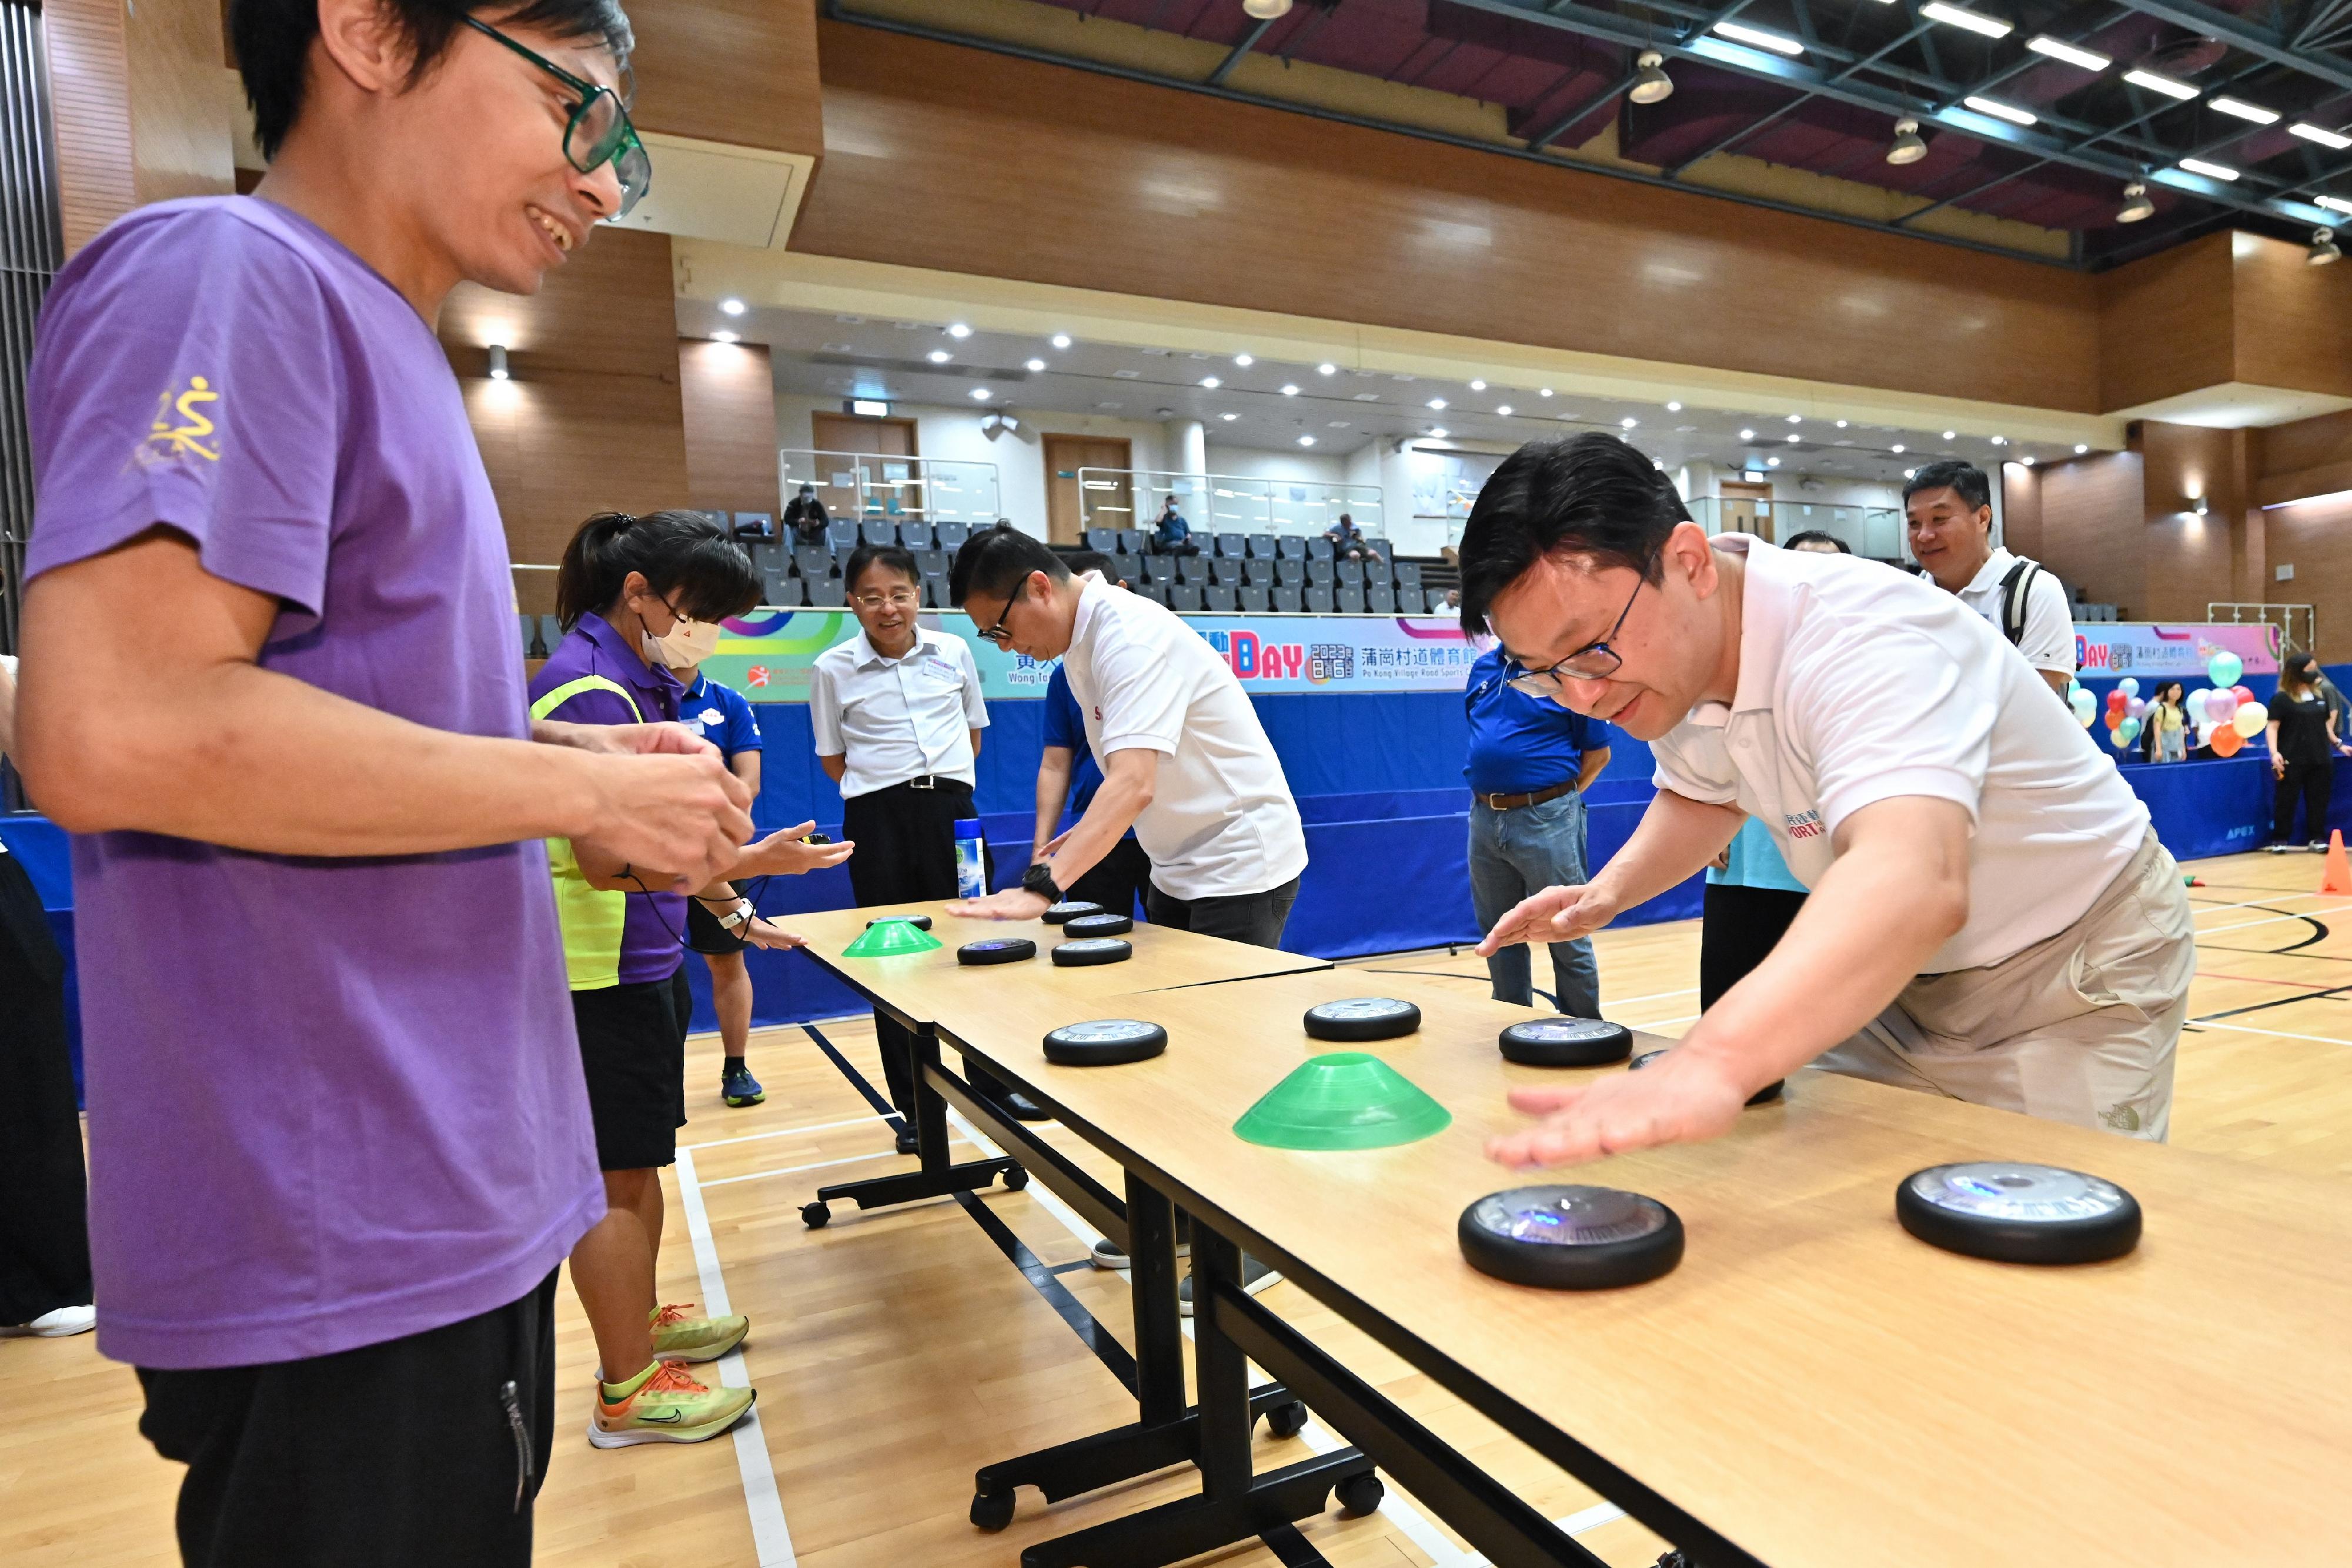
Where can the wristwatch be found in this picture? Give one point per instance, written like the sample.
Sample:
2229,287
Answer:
1039,878
740,915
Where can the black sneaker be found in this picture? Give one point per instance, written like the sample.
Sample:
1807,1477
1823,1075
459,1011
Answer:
907,1145
739,1089
1255,1277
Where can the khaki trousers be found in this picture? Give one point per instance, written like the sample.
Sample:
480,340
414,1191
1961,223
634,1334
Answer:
2078,1028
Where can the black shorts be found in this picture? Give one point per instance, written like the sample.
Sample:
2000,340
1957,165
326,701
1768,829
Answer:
632,1047
705,935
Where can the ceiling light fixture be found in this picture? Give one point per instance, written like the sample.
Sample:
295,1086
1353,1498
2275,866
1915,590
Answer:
1951,436
1266,10
1896,449
1245,360
2027,460
1290,389
1546,391
2333,203
2000,441
1327,369
732,306
498,371
1650,82
1778,43
1629,422
2136,205
2089,59
1976,22
958,329
2001,110
726,336
2210,170
1795,419
1212,382
981,394
1437,402
1673,407
939,356
1306,441
1229,418
1771,463
1907,147
1061,339
1477,386
1794,438
1840,423
1438,431
1907,473
2324,249
2156,82
2333,140
1504,409
1037,365
2081,447
2237,108
1746,436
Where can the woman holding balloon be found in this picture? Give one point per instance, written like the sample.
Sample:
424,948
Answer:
2303,744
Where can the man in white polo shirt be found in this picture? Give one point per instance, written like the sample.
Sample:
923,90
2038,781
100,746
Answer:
1947,509
1990,915
1185,762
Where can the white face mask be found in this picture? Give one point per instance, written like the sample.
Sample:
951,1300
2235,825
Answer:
688,643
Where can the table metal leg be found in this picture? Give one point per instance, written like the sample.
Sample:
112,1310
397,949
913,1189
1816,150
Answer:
937,1176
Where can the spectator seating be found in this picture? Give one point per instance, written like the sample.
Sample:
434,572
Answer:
933,562
1318,569
1254,600
1410,601
1320,548
1131,542
1232,546
1350,599
953,535
1408,574
1292,546
842,534
1219,599
879,532
551,632
915,535
1380,598
1292,572
1103,541
533,647
1350,571
1185,597
825,592
1287,598
1263,546
1227,569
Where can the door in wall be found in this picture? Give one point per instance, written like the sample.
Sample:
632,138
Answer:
880,451
1745,509
1110,500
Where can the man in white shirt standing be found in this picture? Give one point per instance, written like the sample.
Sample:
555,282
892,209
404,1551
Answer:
1948,509
1990,915
897,714
1185,762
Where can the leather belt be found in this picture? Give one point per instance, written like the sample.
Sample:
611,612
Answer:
933,781
1516,802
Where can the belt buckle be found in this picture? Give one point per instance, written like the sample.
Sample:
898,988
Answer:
926,781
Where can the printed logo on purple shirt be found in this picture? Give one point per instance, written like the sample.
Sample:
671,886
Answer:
165,440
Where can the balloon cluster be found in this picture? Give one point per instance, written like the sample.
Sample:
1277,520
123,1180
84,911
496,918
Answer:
2227,716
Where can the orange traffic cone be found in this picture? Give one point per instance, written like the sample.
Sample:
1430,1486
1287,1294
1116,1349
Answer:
2338,878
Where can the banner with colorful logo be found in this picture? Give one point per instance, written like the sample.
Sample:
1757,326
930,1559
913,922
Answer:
2142,648
767,654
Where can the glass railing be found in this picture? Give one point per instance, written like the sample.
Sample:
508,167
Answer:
1875,531
857,484
1225,503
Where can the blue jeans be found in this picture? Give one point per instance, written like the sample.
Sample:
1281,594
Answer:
1512,855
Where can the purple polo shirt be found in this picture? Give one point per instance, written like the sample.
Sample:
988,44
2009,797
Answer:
332,1101
650,932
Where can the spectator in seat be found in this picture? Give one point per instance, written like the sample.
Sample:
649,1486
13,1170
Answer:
1347,542
1171,535
805,516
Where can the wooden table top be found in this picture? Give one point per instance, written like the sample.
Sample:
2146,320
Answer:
1812,1382
930,985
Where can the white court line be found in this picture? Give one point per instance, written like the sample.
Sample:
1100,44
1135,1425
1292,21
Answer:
1660,1023
1441,1551
771,1539
1652,997
782,1133
2271,920
812,1165
2282,1033
2252,903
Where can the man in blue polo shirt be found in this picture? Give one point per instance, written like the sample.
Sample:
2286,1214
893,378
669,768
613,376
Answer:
722,716
1530,759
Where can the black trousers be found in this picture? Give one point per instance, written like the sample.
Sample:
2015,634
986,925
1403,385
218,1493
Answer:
906,852
1256,918
424,1449
1737,927
1119,881
44,1201
2310,782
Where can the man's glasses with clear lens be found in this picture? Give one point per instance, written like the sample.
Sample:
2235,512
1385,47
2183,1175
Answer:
1593,661
997,633
599,131
898,599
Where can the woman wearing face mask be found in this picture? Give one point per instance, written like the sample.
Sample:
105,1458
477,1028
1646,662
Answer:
640,597
2304,747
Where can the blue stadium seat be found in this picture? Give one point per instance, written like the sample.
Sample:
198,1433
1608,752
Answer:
1254,600
1220,598
1263,546
1350,571
1318,570
1318,548
1380,598
875,531
952,536
825,591
1227,571
841,533
1352,598
1131,541
1293,547
915,535
1319,599
1408,574
1185,596
1231,545
1410,600
1103,541
1286,599
533,648
551,632
1293,572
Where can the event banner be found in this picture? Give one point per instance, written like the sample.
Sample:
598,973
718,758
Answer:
767,654
2138,648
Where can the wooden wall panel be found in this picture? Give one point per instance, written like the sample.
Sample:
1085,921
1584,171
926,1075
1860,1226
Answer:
2293,321
728,391
959,160
2317,541
592,419
2166,325
90,93
740,71
182,138
2307,457
2092,520
2192,561
2020,510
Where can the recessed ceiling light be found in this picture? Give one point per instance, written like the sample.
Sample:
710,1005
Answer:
1245,360
2157,82
2000,441
1036,365
732,306
1438,431
958,329
1327,369
1841,425
1290,389
939,356
1368,397
1229,418
1674,408
2081,447
2027,460
1126,375
2089,59
1951,436
981,394
1437,402
1746,436
2237,108
1212,382
1306,441
1477,386
2210,170
1908,473
726,336
1771,463
1795,419
1629,422
2335,141
1761,38
1543,392
1794,438
1061,339
1504,409
1974,21
2001,110
1896,449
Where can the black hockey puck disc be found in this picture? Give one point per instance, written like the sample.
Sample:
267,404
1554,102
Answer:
1764,1096
1092,950
1098,926
1104,1042
1069,909
996,950
919,922
1362,1018
2014,1213
1570,1237
1566,1042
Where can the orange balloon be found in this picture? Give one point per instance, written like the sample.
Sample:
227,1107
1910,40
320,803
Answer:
2114,717
2226,741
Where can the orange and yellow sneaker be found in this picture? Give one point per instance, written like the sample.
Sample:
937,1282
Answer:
664,1404
679,1336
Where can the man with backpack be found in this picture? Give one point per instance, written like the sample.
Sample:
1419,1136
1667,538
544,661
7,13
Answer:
1949,507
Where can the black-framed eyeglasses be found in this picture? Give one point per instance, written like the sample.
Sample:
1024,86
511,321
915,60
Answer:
997,633
600,131
1593,661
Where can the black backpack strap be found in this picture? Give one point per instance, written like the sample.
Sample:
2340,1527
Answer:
2014,590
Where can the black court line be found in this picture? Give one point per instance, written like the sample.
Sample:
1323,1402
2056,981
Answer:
2318,930
1283,1540
2275,1002
882,1107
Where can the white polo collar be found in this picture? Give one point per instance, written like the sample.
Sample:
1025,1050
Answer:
1989,575
1765,592
872,658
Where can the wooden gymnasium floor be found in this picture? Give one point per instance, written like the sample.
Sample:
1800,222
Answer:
894,1352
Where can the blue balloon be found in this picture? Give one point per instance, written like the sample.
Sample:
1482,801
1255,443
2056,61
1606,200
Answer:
2225,669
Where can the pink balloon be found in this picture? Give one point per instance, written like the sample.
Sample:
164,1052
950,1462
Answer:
2220,705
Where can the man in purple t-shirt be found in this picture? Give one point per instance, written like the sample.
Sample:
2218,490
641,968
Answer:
337,1132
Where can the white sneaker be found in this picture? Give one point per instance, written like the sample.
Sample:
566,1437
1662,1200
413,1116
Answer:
63,1323
1107,1254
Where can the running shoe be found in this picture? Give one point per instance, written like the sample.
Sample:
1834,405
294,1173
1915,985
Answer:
62,1323
669,1406
680,1337
1109,1255
739,1089
1255,1277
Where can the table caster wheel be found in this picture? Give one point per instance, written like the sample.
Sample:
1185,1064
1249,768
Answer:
1286,1420
1359,1495
816,1215
991,1512
1016,1178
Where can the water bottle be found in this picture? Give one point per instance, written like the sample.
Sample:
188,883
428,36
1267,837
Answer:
971,861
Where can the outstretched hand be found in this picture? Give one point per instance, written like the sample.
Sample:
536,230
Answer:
1677,1099
1555,914
783,853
